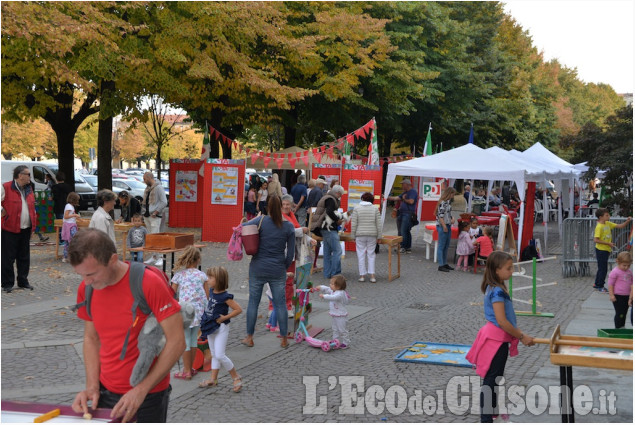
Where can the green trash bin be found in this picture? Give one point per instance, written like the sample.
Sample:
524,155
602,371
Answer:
616,333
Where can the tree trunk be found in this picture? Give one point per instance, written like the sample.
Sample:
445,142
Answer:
66,152
104,154
104,139
290,133
158,161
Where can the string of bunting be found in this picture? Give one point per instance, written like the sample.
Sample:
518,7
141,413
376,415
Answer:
328,149
388,159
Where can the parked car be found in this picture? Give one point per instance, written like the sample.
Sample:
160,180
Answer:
132,186
91,179
166,188
38,171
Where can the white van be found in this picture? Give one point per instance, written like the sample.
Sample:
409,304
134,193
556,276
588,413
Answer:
38,170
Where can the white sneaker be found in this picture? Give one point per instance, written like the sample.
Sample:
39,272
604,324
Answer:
290,314
159,262
361,279
151,260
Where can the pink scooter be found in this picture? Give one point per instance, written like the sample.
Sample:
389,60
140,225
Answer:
302,333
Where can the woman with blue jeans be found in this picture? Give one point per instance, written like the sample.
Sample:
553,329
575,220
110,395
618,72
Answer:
275,254
444,227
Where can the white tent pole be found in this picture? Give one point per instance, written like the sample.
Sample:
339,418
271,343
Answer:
545,212
419,203
571,197
390,180
520,225
469,200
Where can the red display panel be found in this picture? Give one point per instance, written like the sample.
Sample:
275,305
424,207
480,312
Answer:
186,193
219,215
357,179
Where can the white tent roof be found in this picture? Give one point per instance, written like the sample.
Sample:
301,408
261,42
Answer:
553,164
465,162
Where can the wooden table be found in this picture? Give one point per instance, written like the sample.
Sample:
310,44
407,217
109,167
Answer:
82,222
567,351
389,240
164,252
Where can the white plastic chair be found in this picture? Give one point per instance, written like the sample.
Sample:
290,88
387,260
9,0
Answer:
538,209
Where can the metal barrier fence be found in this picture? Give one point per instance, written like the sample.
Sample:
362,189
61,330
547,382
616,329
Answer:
578,248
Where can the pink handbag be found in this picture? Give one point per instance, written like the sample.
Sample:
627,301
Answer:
251,237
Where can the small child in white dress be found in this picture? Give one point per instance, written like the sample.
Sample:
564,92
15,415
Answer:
465,246
337,296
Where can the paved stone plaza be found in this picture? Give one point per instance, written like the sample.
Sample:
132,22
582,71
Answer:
42,346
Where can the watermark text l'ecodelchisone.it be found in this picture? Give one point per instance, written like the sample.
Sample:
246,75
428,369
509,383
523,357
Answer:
461,396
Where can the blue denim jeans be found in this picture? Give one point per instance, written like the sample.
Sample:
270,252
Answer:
444,244
273,319
332,253
277,286
404,224
136,256
603,266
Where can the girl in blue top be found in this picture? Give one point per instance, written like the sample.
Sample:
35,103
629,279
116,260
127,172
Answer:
215,325
499,310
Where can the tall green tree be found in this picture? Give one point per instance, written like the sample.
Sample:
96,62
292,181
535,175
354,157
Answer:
610,149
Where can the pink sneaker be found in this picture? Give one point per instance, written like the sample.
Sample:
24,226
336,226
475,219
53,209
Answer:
274,329
268,326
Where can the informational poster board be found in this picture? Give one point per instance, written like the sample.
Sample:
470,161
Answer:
329,171
225,185
186,198
186,186
356,188
357,179
223,198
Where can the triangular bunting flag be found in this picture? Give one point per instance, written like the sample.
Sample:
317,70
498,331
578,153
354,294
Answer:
279,161
360,133
350,139
292,162
305,159
254,157
266,160
299,154
317,156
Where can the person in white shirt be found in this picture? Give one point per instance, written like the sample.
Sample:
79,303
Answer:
101,219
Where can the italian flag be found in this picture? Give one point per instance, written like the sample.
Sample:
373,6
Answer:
204,151
373,150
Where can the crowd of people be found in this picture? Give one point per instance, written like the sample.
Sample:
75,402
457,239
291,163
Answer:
286,222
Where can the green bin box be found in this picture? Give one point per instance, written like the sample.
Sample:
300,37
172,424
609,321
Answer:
616,333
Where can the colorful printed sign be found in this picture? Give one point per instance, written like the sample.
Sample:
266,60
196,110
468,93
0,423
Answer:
186,186
356,188
225,185
431,191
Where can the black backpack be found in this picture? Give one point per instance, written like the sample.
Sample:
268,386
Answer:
136,287
529,252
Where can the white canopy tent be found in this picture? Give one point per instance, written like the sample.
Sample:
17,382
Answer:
471,162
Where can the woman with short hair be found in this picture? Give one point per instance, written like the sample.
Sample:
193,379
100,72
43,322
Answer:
366,229
101,218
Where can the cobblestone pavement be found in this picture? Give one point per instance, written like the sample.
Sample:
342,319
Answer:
41,342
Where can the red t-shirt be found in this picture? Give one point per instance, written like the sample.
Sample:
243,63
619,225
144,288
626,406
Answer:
111,309
485,248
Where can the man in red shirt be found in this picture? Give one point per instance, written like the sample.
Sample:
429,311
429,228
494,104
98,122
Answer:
93,255
18,223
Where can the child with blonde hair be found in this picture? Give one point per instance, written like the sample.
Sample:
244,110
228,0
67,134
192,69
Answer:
69,224
188,284
215,325
337,296
464,247
621,287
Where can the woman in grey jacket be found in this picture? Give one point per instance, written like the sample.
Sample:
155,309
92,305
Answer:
366,229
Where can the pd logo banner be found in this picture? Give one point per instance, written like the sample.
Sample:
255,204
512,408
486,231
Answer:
431,191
